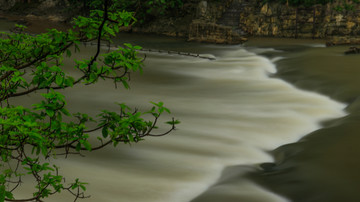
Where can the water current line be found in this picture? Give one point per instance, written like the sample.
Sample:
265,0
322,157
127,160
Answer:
169,52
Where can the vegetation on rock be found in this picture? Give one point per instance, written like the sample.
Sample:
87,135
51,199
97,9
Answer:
307,3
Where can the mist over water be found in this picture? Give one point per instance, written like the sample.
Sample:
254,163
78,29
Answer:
231,111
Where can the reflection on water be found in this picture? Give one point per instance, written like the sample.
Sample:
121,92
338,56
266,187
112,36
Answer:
232,113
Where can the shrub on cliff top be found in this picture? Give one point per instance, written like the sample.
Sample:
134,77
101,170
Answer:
144,10
308,3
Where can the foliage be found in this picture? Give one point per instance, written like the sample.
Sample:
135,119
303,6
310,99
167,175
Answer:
345,6
144,10
307,3
301,2
30,137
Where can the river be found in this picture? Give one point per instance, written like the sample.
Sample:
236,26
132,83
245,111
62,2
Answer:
234,110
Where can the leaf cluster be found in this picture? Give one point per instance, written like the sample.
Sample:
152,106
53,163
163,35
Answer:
146,10
31,136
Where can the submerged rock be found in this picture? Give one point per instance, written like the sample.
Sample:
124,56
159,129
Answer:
267,167
352,50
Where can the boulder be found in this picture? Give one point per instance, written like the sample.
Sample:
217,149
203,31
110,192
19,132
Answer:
352,50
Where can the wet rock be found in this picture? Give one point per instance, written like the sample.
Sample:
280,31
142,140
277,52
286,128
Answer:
343,40
267,167
352,50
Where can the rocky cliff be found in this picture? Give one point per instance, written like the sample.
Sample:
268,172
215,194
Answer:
319,21
236,19
206,26
53,10
229,21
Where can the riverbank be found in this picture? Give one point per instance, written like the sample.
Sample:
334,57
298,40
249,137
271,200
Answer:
323,166
37,24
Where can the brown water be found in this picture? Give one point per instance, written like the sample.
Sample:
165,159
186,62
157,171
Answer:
232,113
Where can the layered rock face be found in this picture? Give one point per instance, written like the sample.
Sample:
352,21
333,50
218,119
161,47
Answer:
7,4
217,23
53,10
339,26
229,21
319,21
283,21
201,31
41,4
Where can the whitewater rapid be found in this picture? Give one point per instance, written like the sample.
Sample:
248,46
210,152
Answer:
231,111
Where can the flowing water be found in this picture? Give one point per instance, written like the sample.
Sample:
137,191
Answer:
232,114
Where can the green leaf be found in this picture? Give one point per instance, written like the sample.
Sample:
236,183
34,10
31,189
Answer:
69,81
167,110
44,150
93,77
59,80
131,138
83,187
50,112
9,195
87,145
78,147
111,31
36,135
65,111
125,83
68,53
83,65
104,132
2,193
115,143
